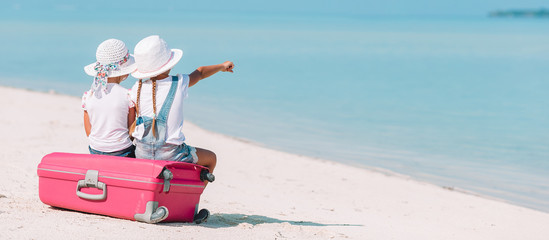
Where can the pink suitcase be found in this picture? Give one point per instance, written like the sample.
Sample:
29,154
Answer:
137,189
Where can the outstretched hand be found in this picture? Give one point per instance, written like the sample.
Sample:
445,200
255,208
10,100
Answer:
206,71
227,66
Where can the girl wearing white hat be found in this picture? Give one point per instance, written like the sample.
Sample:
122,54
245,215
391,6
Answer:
108,109
159,104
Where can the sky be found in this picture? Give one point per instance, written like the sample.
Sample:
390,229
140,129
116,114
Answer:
333,7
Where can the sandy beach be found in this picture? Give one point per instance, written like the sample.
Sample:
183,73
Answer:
259,193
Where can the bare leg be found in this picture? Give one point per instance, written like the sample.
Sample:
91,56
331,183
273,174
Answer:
207,159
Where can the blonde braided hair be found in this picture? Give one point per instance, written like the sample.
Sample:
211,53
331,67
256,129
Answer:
154,105
137,113
138,96
154,102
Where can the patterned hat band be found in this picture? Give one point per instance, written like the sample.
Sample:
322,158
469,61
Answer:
111,66
100,80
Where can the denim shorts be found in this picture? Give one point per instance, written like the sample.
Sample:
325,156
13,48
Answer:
128,152
170,152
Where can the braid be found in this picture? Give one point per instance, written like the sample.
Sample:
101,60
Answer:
132,127
138,96
154,105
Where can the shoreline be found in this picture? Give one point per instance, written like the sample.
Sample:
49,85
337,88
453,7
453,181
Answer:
259,192
373,169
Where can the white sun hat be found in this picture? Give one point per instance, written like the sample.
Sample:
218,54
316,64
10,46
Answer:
153,57
109,53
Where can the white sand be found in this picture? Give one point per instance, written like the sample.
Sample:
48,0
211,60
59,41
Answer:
259,193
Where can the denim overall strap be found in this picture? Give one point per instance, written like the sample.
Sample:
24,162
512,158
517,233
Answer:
165,111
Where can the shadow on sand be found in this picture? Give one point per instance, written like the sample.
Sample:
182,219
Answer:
225,220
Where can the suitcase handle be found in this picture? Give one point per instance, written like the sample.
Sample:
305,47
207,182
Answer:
100,186
91,181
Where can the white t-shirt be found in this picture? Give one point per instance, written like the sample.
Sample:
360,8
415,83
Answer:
109,118
174,124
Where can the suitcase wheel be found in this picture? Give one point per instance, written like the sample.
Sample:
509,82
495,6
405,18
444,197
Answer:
205,175
202,216
160,214
153,213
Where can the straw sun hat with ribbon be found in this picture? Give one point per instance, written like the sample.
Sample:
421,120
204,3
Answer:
113,60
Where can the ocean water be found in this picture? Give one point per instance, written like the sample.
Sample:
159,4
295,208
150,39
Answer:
461,101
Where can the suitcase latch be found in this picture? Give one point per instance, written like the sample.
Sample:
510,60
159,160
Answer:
91,178
168,176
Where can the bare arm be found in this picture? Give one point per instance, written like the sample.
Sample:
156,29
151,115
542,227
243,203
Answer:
206,71
131,120
131,116
87,124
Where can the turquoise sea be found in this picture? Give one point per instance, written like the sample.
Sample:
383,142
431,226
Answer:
458,101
